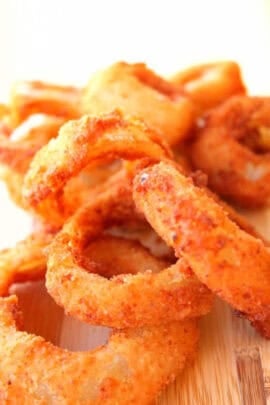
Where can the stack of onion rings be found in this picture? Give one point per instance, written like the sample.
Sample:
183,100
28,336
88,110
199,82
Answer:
91,182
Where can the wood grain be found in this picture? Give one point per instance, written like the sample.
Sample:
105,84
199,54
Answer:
233,362
250,374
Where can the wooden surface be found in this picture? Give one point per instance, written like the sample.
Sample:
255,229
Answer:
232,366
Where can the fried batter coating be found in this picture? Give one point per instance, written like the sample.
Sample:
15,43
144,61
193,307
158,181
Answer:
112,256
16,153
137,90
208,85
134,298
233,264
236,217
35,371
86,141
4,110
55,212
5,124
233,148
24,262
18,149
32,97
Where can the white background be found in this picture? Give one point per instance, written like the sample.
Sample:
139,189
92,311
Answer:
65,41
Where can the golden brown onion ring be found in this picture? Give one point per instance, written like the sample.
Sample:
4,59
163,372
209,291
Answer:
137,90
54,212
25,261
86,141
236,169
18,149
112,256
5,124
210,84
37,371
236,217
4,110
133,299
31,97
230,262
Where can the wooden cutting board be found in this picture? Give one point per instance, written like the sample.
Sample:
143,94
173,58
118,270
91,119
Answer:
232,366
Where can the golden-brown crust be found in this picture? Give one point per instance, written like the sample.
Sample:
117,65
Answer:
234,170
137,90
87,294
17,150
36,371
209,84
25,261
230,262
32,97
82,143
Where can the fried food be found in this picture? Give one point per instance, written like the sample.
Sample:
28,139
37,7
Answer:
37,371
236,217
208,85
32,97
17,150
230,262
86,141
138,91
237,134
5,124
4,110
25,261
81,285
95,186
54,212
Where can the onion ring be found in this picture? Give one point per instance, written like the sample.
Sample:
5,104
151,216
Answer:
31,97
56,211
200,180
34,370
114,255
5,125
88,140
230,262
18,149
24,262
4,110
137,90
235,170
236,217
177,294
210,84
